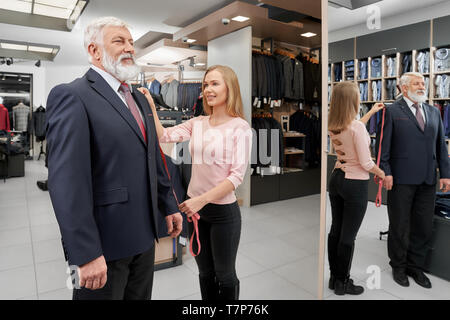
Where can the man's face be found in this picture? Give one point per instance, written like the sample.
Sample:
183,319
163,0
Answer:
415,90
116,42
116,54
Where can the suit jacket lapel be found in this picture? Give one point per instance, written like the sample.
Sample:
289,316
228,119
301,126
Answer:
102,87
405,108
142,103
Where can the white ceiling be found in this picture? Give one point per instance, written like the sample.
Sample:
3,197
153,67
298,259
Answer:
340,18
142,16
153,15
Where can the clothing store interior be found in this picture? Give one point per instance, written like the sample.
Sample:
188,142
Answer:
277,49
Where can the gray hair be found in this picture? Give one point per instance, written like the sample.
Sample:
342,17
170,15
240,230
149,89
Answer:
94,31
406,77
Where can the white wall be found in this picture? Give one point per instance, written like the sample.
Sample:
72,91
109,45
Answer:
235,51
406,18
57,74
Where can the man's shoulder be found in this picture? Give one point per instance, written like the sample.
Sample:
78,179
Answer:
396,105
73,86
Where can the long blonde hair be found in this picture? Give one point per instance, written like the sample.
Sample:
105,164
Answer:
344,106
234,101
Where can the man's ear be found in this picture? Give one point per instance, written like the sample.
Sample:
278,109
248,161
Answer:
95,51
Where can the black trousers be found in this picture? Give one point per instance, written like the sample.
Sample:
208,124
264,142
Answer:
220,231
410,210
128,279
348,199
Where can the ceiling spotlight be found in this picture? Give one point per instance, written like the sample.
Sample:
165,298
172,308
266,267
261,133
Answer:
9,61
2,61
20,79
191,62
240,18
308,34
4,77
38,63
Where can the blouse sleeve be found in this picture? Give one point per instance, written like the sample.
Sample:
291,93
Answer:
361,141
242,145
178,133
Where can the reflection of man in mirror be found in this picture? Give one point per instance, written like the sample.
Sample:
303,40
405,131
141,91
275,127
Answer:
413,147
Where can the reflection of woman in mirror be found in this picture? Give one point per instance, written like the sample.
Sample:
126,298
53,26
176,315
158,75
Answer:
348,185
219,145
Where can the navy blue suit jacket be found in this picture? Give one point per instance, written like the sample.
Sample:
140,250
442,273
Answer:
105,182
409,154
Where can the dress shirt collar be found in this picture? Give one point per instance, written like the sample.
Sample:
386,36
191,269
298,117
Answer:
410,103
110,79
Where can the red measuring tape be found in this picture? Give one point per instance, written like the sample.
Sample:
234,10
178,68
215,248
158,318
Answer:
194,218
377,180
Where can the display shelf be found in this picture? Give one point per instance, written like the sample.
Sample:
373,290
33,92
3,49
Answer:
293,134
287,152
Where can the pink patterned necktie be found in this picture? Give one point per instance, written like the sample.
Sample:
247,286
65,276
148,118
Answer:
419,117
125,90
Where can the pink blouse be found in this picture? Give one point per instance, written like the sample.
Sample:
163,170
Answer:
218,153
356,160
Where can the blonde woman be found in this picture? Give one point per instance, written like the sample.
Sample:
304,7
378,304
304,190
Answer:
220,145
348,185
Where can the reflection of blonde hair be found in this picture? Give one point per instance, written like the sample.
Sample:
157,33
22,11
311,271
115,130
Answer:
234,101
344,106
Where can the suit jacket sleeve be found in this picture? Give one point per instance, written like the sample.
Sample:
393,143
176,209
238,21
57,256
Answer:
70,180
167,204
386,143
441,152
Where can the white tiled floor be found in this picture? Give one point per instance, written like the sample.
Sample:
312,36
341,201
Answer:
278,240
369,251
277,258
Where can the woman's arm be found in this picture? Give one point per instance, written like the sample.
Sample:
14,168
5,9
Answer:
376,107
158,125
194,205
178,133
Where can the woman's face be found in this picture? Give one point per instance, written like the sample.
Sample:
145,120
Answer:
215,89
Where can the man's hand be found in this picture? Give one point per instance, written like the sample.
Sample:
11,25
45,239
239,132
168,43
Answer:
444,184
174,224
93,274
388,182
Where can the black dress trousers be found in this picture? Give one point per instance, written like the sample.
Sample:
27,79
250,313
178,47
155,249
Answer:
128,279
410,210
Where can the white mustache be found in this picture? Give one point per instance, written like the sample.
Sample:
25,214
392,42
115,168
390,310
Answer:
126,56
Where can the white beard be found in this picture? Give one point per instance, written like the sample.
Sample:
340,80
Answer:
417,97
118,70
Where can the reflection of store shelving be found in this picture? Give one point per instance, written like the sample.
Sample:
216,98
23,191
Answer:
293,151
292,134
288,151
290,170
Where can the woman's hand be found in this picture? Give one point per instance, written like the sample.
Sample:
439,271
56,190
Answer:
377,107
193,205
381,176
147,94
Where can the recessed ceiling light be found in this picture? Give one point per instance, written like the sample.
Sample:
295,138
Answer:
40,49
200,64
240,18
12,46
308,34
190,40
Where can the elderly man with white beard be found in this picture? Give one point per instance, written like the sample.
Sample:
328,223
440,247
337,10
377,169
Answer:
413,147
106,177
